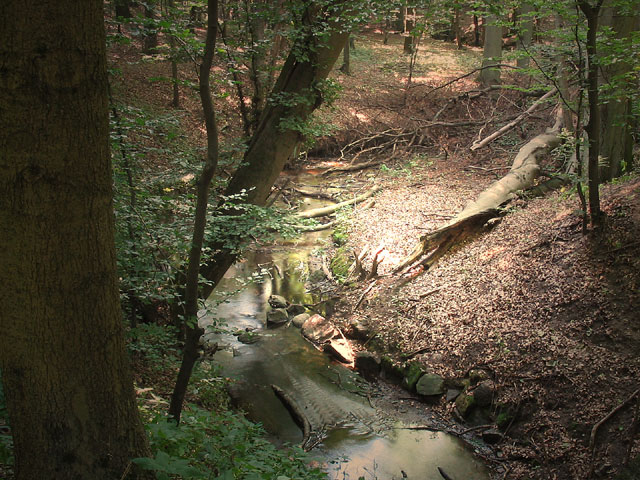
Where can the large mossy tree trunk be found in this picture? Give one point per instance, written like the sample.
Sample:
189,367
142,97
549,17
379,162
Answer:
65,371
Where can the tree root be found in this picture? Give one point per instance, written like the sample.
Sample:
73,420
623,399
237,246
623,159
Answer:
594,430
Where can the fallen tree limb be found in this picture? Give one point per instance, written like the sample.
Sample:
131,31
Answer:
353,168
296,413
475,215
319,195
512,124
322,211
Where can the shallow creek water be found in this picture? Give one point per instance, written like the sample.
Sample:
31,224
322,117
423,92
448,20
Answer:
358,439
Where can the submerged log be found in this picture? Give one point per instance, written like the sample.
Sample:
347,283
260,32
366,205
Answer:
475,215
296,413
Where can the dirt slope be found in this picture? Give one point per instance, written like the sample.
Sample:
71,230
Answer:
552,314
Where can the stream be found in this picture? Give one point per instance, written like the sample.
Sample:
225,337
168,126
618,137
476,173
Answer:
357,431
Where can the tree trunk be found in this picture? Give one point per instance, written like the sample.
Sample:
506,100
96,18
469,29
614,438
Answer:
525,33
457,30
346,58
593,127
194,332
616,126
150,39
175,100
476,31
123,9
401,24
258,72
66,376
272,145
490,75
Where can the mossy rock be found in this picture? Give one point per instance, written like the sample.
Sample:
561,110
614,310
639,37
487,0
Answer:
430,385
477,376
412,374
391,370
464,404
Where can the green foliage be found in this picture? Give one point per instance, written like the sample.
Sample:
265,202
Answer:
221,446
156,343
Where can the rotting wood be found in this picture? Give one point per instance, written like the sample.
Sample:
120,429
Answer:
524,170
322,211
512,124
296,413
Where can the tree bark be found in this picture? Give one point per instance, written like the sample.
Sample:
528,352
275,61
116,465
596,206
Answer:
66,376
150,39
175,100
492,52
346,58
258,72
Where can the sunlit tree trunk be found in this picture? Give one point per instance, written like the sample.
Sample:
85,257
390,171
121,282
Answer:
525,33
65,371
490,75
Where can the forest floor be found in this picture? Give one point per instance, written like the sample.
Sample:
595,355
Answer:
549,312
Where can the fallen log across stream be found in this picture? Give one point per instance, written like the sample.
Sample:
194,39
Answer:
524,170
323,211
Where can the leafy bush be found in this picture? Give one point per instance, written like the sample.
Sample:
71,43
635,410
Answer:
221,446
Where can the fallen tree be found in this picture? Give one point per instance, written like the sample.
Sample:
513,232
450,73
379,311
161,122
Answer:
524,170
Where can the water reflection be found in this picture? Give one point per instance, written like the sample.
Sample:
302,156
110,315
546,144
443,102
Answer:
375,447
